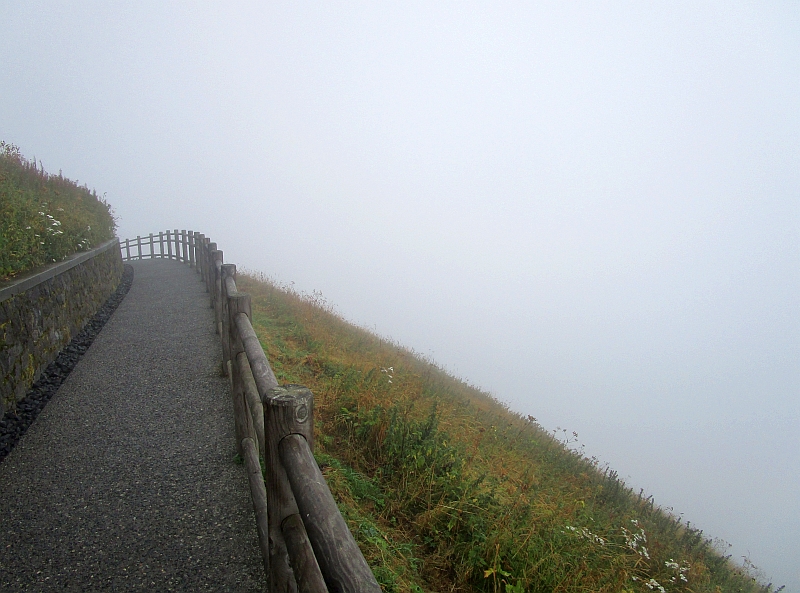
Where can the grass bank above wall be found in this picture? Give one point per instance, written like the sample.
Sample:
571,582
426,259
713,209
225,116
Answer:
45,218
447,490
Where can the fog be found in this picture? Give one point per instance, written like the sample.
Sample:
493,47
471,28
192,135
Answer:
590,210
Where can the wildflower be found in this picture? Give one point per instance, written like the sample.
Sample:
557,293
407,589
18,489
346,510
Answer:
586,534
636,540
680,570
654,584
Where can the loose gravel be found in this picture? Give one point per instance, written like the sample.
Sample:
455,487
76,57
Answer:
16,422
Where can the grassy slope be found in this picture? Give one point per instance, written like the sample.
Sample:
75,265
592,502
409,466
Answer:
445,489
45,218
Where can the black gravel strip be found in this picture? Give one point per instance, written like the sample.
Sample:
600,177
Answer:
16,422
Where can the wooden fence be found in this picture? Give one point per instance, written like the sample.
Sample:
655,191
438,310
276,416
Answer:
304,540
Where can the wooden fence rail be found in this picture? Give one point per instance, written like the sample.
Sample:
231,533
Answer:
305,543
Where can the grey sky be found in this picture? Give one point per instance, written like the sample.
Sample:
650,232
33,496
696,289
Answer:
592,211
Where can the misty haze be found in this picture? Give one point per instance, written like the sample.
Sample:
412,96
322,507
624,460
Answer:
591,212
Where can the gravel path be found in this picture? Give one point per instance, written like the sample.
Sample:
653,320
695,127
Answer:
126,481
17,421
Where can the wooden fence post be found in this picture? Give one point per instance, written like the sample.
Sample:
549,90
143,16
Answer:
216,275
211,273
198,252
238,303
199,243
192,259
207,262
205,242
228,289
184,246
192,240
287,410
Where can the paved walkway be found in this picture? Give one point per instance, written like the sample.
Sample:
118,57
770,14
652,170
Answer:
126,481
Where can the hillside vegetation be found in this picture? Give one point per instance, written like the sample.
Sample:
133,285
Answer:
445,489
45,218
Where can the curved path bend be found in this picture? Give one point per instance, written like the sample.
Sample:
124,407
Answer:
127,480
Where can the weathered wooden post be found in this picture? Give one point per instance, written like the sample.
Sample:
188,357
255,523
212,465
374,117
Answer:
169,245
255,425
228,289
152,249
216,287
192,259
199,243
211,273
287,410
218,290
238,304
184,245
128,249
139,245
207,262
194,251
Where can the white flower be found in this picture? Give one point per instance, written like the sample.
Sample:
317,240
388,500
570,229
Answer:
654,584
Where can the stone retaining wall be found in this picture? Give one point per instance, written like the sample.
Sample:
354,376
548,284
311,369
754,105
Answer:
41,312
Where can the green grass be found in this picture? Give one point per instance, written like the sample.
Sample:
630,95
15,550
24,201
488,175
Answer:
45,218
445,489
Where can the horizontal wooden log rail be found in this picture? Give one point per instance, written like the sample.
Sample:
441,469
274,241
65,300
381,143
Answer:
304,540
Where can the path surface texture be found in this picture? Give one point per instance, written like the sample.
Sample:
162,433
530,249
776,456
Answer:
127,480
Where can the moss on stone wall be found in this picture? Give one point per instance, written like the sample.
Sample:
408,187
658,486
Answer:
35,325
